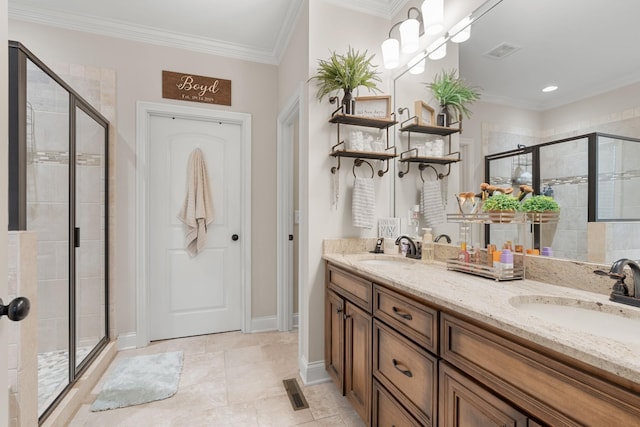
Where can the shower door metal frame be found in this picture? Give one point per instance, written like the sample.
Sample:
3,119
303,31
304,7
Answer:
17,194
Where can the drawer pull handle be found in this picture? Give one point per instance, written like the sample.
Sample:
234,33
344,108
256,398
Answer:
402,368
402,314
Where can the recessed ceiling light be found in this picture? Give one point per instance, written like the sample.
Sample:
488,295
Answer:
550,88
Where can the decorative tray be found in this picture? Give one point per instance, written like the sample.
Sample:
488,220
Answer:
515,273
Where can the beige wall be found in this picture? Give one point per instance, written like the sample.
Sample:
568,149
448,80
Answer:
4,114
138,73
332,28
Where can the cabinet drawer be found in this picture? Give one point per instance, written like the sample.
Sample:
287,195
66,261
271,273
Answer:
406,370
534,380
387,412
355,289
465,403
415,320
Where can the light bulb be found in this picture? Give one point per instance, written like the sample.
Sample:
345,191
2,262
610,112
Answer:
417,63
461,31
433,16
409,34
438,49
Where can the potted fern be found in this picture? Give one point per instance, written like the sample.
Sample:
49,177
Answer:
502,208
346,72
540,208
452,93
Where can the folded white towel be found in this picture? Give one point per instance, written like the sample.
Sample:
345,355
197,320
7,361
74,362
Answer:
431,204
363,203
197,211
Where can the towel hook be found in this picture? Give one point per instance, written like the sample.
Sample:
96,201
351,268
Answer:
357,163
423,166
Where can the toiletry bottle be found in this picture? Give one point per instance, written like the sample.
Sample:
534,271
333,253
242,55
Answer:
475,254
463,255
497,267
506,263
428,249
490,250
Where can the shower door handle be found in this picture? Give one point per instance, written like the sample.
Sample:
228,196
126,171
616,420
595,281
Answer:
76,237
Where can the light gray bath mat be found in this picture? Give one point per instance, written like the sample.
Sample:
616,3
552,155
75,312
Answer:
140,379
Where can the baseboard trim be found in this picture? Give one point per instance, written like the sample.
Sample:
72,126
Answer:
127,341
258,324
263,324
312,373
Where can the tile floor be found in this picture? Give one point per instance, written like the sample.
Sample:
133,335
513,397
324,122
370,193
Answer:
229,379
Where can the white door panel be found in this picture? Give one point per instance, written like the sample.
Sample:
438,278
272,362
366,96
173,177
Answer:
201,294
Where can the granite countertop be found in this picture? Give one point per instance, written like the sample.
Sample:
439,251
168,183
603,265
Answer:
496,304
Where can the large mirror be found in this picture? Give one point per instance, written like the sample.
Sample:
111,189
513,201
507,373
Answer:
515,50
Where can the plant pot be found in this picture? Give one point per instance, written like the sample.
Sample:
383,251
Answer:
348,103
543,217
501,217
444,118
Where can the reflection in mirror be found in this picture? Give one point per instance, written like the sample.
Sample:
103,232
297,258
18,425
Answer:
598,91
605,194
618,179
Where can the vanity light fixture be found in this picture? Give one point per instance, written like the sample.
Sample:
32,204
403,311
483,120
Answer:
410,31
428,20
550,88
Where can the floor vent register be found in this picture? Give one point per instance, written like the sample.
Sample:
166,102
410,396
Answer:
295,394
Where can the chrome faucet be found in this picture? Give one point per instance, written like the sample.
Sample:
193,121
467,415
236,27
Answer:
447,238
620,291
413,251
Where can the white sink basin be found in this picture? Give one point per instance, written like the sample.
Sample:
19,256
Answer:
386,262
612,321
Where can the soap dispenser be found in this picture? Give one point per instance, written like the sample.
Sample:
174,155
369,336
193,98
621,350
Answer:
428,249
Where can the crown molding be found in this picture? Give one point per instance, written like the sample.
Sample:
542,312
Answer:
286,31
387,9
145,34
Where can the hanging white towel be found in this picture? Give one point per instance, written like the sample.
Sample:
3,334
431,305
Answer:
431,204
197,211
363,203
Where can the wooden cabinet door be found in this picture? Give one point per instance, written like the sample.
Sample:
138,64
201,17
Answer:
334,338
464,403
358,360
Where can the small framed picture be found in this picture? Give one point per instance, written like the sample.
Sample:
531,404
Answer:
375,107
425,114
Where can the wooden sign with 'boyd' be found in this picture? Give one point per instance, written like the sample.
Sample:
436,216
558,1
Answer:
189,87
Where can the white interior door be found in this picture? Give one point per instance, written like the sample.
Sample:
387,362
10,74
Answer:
201,294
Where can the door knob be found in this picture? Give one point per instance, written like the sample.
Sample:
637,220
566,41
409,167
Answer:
16,310
235,237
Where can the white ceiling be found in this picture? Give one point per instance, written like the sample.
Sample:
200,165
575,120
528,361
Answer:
585,47
255,30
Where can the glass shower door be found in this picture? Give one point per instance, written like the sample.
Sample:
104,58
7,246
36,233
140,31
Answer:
90,198
47,195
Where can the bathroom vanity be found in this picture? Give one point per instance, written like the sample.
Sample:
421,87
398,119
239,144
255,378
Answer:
411,344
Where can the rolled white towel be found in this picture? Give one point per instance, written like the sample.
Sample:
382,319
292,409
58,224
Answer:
363,203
